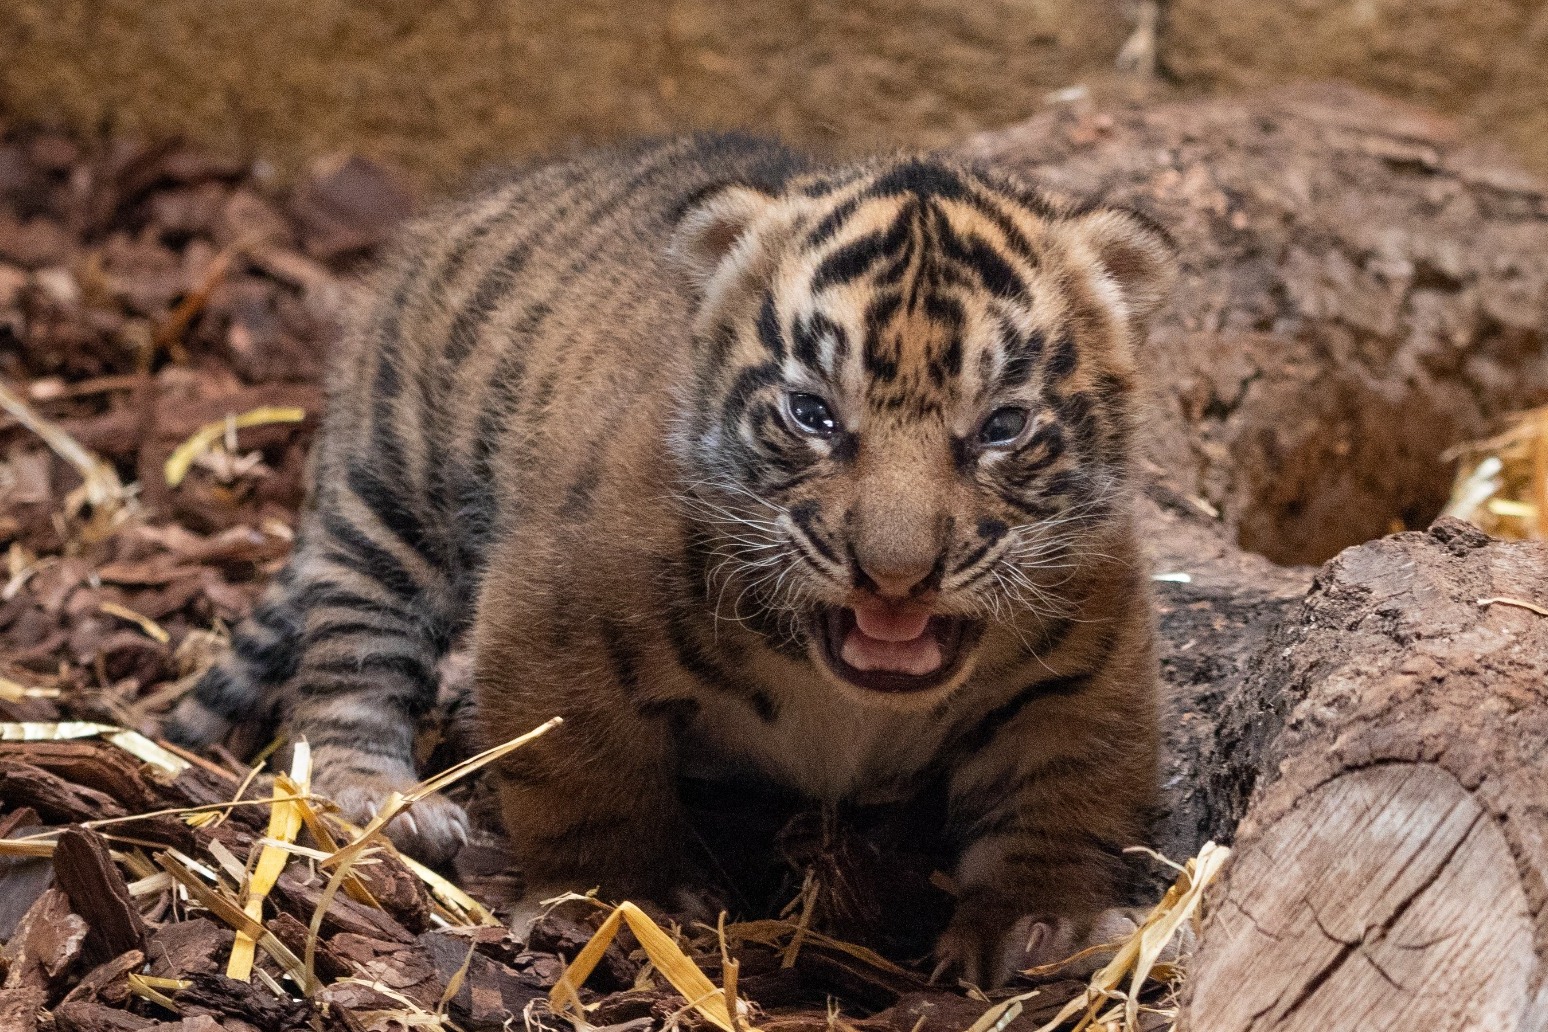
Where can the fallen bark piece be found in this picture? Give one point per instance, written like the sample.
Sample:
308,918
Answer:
106,983
181,949
46,946
85,1016
215,994
94,764
1395,872
55,799
398,890
328,962
20,1007
300,896
490,992
22,878
86,873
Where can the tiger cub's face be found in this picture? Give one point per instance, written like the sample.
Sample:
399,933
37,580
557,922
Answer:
910,417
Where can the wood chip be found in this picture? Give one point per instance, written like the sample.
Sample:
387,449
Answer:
87,874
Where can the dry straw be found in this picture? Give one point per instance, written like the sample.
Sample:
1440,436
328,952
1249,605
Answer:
1502,482
207,436
291,807
1111,1001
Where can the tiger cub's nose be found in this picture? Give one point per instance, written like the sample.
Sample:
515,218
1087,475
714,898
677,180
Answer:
899,579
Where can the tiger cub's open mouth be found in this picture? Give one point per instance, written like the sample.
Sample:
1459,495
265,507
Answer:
887,647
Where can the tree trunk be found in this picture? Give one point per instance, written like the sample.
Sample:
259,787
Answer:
1394,872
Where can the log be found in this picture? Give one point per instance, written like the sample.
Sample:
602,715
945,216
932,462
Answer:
1394,871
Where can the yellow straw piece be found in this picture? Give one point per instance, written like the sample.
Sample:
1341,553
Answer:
460,907
149,987
396,802
1519,603
663,952
284,824
1140,952
101,487
131,742
145,623
12,691
204,438
224,907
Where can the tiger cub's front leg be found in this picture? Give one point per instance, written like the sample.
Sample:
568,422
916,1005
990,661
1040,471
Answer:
344,643
1043,813
593,803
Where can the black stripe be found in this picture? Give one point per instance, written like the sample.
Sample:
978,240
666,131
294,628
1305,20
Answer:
883,307
920,176
622,655
363,554
692,604
996,719
831,223
390,506
972,557
276,615
326,594
853,260
322,633
1021,355
388,329
747,384
579,496
809,335
989,209
275,659
769,334
365,739
1063,359
407,665
833,182
992,270
1044,449
224,695
804,515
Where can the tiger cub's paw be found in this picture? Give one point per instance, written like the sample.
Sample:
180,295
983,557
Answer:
986,946
432,831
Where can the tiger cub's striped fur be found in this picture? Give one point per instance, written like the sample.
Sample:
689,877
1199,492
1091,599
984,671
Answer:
739,464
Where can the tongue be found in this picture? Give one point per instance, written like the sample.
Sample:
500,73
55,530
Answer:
893,640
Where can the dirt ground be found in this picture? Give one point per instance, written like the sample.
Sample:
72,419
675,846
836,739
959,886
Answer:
444,88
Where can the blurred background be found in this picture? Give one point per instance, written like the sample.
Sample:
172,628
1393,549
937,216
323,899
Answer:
442,88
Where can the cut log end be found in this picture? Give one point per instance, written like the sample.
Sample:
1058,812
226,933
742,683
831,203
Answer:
1388,898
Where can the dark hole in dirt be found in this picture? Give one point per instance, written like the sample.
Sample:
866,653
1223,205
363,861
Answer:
1330,464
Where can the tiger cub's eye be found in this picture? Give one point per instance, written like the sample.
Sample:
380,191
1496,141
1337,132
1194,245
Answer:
1003,427
811,414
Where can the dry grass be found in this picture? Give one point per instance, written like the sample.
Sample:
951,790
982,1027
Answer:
237,898
1502,482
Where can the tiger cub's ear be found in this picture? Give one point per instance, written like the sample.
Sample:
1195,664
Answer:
711,228
1137,258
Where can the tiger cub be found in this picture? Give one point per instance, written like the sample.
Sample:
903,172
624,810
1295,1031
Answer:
739,463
